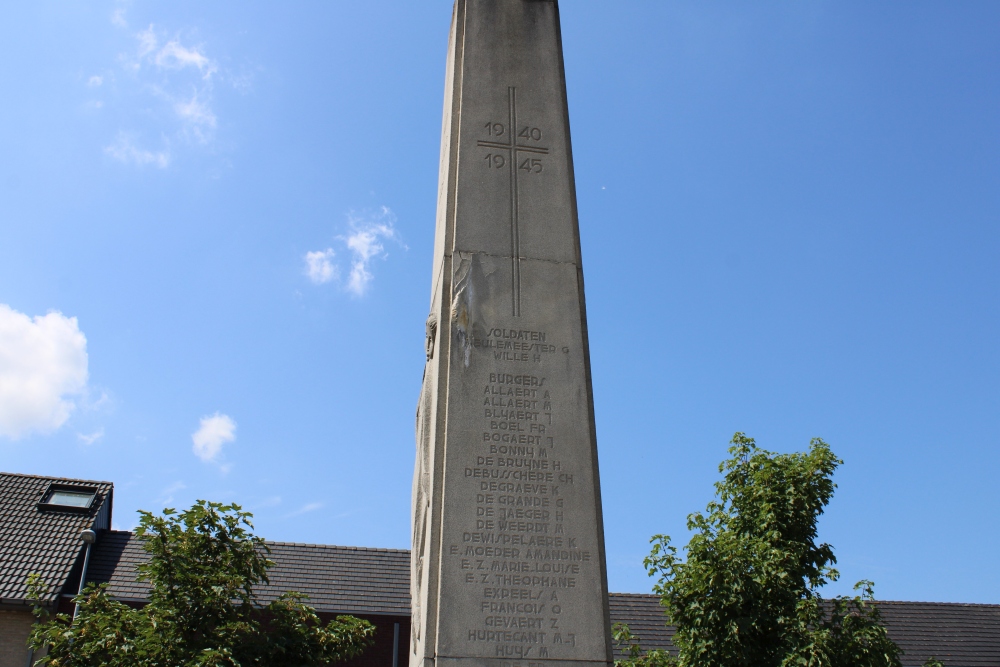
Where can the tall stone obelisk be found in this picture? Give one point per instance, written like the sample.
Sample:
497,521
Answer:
508,538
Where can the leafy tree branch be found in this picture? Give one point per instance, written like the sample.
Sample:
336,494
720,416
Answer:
205,567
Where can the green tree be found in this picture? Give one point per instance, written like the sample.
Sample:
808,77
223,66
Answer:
204,567
747,593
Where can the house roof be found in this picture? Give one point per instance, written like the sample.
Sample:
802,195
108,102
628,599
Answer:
960,635
337,579
368,581
376,581
43,540
644,617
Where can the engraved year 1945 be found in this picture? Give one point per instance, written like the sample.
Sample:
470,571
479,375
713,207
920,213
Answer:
500,139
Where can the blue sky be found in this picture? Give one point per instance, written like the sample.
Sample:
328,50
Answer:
216,223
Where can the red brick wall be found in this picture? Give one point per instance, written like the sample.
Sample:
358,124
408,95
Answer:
14,629
15,626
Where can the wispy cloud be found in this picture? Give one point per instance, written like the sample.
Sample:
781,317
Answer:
95,81
175,55
177,77
92,437
95,398
320,267
118,18
271,501
364,242
147,44
305,509
213,432
167,495
43,371
125,150
197,116
171,60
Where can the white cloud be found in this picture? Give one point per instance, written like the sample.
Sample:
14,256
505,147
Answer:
214,431
43,368
197,116
319,266
195,112
95,81
179,79
91,438
365,242
124,150
147,41
174,55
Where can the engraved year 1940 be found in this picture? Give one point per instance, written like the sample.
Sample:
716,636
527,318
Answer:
500,140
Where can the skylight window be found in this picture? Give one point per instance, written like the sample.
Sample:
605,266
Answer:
68,498
71,498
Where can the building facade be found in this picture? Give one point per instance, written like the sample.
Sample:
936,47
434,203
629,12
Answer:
43,521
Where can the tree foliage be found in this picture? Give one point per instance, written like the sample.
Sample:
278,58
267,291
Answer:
204,569
747,594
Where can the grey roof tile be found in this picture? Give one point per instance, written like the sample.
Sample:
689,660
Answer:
645,619
960,635
336,579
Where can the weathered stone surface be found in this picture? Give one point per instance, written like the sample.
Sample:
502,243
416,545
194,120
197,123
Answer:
508,541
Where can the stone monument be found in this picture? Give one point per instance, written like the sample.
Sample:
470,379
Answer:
508,564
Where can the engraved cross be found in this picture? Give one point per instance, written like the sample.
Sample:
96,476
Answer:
512,147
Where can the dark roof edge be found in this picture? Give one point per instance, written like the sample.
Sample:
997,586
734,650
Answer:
16,604
61,479
272,543
943,604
